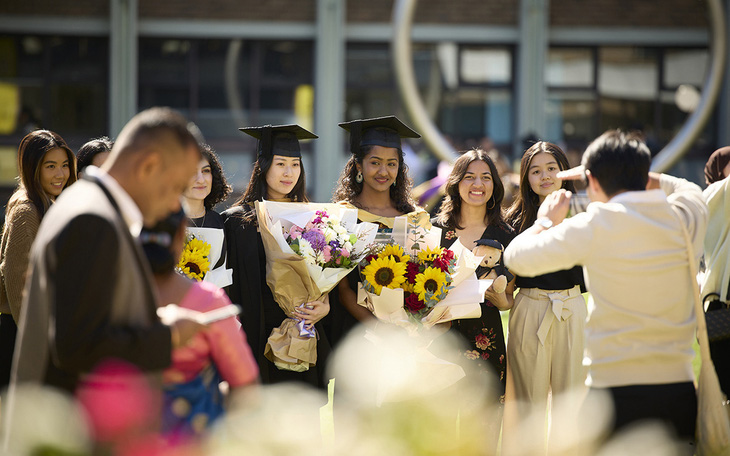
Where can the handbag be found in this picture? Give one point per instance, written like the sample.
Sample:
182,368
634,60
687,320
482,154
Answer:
713,421
717,318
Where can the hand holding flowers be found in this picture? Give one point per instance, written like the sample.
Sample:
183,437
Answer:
422,285
309,249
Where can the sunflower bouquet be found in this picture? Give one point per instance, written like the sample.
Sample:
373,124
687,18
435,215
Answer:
309,247
421,285
194,261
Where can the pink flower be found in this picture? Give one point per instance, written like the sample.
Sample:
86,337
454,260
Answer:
338,260
345,253
295,232
327,253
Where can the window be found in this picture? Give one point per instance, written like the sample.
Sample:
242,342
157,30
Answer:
54,82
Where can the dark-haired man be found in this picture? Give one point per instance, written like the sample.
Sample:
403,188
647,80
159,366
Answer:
90,295
630,242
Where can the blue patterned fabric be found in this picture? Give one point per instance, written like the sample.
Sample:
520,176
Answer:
190,408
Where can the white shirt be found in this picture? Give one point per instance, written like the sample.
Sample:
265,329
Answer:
641,322
131,214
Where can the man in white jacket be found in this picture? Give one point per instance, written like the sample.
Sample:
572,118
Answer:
641,322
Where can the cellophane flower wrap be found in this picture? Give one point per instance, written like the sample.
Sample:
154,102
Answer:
413,282
309,247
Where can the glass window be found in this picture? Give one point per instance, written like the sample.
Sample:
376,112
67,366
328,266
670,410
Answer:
570,67
685,66
571,115
485,65
628,73
54,82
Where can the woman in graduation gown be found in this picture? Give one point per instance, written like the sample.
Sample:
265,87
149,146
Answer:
375,181
277,175
208,188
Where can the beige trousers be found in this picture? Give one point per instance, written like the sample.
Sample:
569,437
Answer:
544,355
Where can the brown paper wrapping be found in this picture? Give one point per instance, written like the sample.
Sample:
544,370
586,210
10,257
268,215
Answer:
291,285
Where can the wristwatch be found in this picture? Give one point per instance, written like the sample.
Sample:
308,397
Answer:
544,222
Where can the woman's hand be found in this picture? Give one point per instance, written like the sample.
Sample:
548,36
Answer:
313,311
504,300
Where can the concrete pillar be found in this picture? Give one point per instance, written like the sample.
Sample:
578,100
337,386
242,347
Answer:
530,78
123,64
329,97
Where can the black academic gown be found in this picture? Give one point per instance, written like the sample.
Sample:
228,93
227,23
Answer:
261,313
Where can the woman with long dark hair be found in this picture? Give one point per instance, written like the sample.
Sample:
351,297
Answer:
46,166
277,175
472,213
375,181
207,188
545,349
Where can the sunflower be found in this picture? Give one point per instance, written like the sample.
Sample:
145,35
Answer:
430,280
385,272
396,252
428,254
194,259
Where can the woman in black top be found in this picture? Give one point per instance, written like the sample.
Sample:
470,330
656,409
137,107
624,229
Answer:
546,324
472,211
208,188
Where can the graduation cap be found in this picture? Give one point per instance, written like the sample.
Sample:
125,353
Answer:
378,131
279,139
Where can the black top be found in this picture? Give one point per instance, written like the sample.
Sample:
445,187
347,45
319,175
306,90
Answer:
211,219
559,280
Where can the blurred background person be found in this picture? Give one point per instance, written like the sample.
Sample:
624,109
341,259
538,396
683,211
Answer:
46,166
94,152
208,188
716,279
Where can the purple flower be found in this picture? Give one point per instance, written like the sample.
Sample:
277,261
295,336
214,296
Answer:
315,238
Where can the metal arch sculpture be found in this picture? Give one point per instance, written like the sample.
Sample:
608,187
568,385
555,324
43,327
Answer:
403,62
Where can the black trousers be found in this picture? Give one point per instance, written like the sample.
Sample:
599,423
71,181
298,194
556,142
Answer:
674,404
8,331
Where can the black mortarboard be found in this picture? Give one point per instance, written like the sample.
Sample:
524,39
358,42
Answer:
279,139
378,131
489,243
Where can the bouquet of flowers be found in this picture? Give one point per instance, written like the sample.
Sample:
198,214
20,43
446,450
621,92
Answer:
423,284
194,261
309,248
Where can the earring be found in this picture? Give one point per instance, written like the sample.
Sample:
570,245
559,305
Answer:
358,178
492,200
393,184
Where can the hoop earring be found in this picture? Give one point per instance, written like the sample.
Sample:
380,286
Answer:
493,203
358,178
393,184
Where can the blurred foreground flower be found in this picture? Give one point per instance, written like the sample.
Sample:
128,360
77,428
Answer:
47,422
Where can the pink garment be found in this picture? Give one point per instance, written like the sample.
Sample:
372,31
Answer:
224,343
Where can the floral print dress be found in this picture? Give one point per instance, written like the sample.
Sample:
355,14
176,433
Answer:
485,352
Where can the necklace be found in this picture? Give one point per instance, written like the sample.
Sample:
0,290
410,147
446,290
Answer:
201,223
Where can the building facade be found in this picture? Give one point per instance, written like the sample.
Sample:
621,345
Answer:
490,72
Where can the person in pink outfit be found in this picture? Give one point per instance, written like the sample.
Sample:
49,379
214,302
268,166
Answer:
192,384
